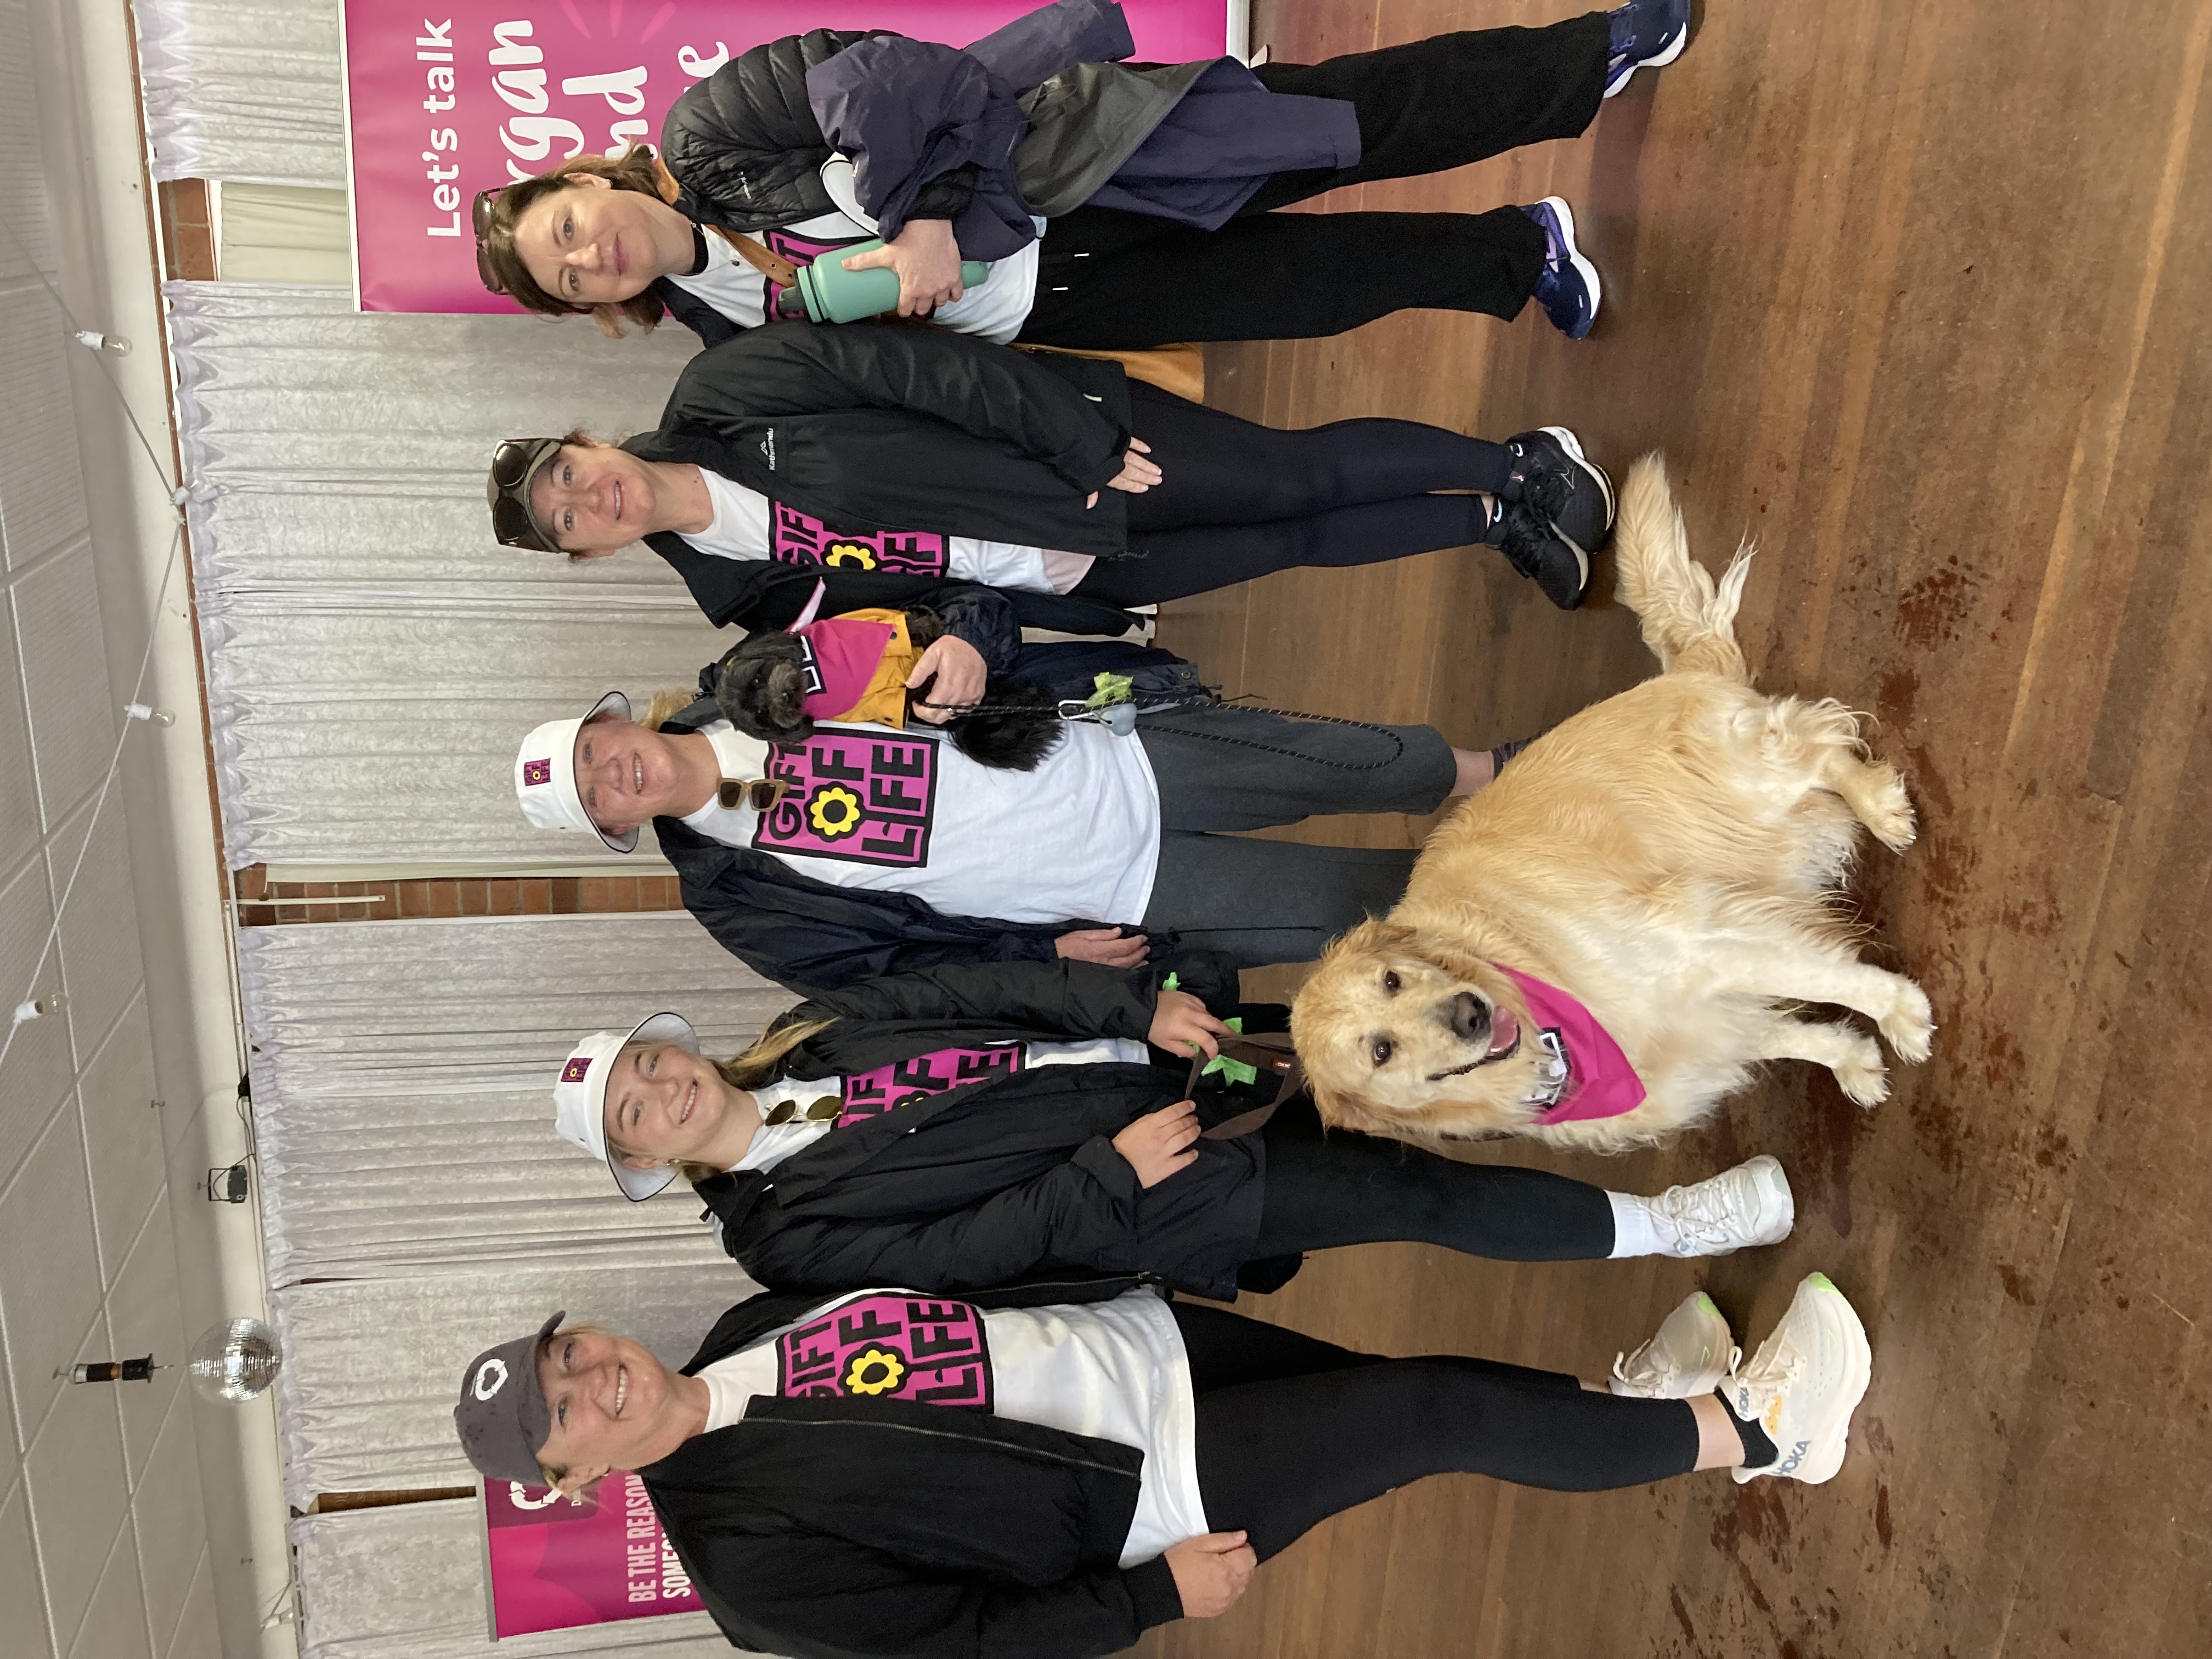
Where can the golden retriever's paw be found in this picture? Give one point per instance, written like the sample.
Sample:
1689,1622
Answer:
1863,1076
1888,811
1911,1024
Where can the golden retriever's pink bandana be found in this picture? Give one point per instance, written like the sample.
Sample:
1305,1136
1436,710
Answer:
1599,1082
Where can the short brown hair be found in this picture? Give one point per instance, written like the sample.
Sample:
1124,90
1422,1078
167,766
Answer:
636,169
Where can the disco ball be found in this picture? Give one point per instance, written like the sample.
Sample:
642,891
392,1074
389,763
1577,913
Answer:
236,1361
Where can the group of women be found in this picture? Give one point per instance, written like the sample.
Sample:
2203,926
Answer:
1021,1105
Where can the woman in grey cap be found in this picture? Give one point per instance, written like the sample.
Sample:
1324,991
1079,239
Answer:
1052,1472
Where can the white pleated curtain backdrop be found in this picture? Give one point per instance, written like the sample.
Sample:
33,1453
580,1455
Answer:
245,89
417,1203
373,656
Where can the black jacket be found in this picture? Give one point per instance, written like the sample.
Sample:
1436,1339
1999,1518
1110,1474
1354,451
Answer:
747,152
1013,1178
844,1529
809,935
909,429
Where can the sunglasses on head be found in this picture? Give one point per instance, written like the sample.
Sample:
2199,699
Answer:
759,793
511,523
480,222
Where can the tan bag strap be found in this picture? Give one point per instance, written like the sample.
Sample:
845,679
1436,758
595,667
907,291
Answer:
777,269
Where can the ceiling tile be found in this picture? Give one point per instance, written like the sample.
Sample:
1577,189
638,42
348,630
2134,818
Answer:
49,1274
144,1316
78,1499
38,1063
102,966
115,1624
18,787
41,488
197,1636
66,676
171,1522
21,1593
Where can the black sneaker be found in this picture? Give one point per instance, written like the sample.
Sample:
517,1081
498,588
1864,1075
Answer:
1525,535
1551,474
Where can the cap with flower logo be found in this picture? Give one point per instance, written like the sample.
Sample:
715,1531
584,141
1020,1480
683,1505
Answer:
580,1097
545,775
502,1417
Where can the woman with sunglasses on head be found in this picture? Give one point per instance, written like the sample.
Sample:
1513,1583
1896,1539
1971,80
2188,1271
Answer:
1122,207
974,1125
890,454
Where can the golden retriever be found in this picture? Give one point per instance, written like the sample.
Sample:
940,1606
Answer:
1668,858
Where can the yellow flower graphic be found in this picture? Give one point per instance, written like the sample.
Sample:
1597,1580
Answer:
834,810
850,555
874,1371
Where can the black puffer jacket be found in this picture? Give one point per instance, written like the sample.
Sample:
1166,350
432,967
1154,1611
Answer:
747,151
856,1528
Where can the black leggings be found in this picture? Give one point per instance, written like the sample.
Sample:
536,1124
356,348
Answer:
1236,500
1109,279
1291,1430
1355,1189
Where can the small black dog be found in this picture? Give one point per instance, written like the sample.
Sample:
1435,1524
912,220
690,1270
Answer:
761,690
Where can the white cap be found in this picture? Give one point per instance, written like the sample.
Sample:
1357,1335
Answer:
545,776
580,1097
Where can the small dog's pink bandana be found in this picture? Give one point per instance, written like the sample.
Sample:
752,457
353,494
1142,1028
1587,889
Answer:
1599,1081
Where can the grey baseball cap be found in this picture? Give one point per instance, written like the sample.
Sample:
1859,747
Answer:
502,1417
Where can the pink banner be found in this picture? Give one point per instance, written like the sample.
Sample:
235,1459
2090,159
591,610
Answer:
472,93
887,1088
854,796
555,1564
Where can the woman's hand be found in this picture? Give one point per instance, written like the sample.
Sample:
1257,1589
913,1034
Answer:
1136,474
1181,1025
959,669
1210,1571
926,257
1105,945
1159,1144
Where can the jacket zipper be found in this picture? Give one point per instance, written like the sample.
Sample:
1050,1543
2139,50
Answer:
940,1434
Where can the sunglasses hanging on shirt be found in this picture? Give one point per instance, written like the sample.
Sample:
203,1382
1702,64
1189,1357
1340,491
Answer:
759,793
820,1110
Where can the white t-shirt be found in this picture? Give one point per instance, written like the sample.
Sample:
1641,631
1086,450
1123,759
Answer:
906,812
870,1094
995,310
1114,1370
748,525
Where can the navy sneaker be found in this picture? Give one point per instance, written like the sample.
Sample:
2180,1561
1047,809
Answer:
1646,33
1551,473
1533,547
1567,288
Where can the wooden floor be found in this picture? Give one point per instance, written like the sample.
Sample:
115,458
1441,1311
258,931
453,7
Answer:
1916,292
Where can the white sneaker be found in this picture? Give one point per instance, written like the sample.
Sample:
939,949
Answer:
1748,1205
1688,1355
1804,1382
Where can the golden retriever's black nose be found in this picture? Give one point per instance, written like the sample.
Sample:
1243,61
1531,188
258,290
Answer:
1468,1016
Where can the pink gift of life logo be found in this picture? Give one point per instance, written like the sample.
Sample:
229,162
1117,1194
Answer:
575,1071
536,772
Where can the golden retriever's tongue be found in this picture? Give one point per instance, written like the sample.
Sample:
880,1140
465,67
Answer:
1504,1032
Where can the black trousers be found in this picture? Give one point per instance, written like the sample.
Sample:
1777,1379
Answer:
1291,1430
1109,279
1236,500
1355,1189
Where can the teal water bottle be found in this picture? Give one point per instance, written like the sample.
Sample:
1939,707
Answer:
832,294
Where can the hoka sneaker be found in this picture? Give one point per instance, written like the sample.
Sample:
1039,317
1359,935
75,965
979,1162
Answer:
1525,535
1688,1355
1551,474
1748,1204
1802,1385
1646,33
1567,287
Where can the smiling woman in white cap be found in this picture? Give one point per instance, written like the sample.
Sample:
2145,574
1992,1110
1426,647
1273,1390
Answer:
867,850
1047,1474
974,1125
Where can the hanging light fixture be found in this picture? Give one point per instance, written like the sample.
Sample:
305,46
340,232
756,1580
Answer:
234,1362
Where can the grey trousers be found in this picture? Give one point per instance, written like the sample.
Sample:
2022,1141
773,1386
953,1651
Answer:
1261,901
